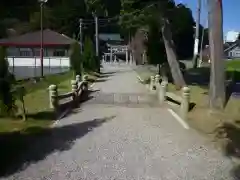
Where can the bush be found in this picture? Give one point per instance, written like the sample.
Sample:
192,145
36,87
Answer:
90,60
75,59
7,100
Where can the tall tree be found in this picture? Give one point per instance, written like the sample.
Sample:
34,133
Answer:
182,23
7,100
217,78
75,59
90,62
155,46
164,10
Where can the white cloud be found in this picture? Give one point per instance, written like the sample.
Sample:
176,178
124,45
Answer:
231,36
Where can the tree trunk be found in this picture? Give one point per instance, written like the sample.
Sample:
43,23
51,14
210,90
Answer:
217,79
171,56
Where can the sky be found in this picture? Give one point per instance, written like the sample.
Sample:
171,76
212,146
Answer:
231,13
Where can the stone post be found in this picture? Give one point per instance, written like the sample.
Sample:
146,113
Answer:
152,82
157,81
111,54
78,78
85,81
127,60
162,92
184,108
53,97
74,89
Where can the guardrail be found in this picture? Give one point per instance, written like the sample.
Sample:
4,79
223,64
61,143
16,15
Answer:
162,94
78,88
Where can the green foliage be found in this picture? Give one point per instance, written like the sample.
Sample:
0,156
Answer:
75,59
7,100
95,6
35,19
155,46
183,31
19,92
137,14
61,16
90,61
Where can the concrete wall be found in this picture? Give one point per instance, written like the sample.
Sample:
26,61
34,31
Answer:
24,67
32,52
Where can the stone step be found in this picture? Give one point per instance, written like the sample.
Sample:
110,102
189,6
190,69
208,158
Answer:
123,99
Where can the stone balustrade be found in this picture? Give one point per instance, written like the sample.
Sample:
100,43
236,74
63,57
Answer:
78,88
162,94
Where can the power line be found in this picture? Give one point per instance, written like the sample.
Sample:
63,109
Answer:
117,16
107,20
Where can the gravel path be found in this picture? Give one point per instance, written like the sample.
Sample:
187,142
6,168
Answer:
106,142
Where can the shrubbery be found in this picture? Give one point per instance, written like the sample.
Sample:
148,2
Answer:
90,60
75,59
7,98
87,61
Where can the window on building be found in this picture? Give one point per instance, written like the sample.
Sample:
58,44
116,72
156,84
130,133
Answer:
27,52
59,52
36,52
11,51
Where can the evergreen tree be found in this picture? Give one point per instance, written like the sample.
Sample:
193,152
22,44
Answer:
89,57
75,59
7,100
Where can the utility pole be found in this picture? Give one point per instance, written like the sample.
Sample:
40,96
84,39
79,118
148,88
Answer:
41,38
217,78
41,48
196,41
81,36
96,36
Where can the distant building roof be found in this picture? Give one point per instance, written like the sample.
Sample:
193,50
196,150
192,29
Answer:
50,38
110,37
228,46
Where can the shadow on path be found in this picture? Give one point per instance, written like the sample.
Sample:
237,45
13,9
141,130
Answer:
20,149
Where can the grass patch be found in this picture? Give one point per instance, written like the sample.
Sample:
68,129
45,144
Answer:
11,125
37,103
31,86
198,79
233,64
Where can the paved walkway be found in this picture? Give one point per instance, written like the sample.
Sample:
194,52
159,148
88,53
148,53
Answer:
105,141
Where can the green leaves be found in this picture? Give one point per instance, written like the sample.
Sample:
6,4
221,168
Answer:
7,100
90,61
75,59
95,6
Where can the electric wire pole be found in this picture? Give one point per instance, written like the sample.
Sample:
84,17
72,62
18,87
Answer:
41,46
96,36
196,41
81,36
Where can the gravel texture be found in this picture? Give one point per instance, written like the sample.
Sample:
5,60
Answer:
109,142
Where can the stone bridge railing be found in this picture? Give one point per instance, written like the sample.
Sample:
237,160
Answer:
161,91
78,88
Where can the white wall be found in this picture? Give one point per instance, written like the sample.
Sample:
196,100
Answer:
24,68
